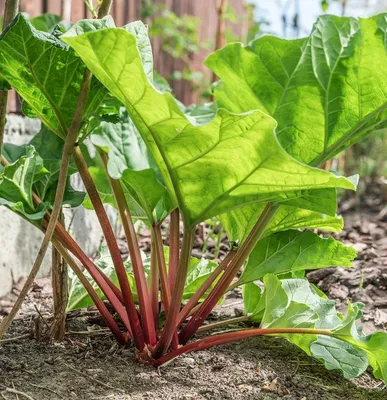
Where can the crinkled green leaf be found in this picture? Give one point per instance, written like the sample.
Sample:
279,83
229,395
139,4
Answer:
78,296
45,22
140,31
50,148
374,345
326,91
90,25
292,303
129,161
336,354
46,73
202,165
17,179
202,113
238,223
71,197
293,250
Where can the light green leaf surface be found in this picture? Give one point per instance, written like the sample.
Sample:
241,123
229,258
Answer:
252,296
293,250
238,223
336,354
326,91
198,271
202,165
129,161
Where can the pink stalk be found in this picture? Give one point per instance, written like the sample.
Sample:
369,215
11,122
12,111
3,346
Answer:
232,269
174,242
170,323
135,258
95,273
193,301
165,289
108,318
154,281
113,248
224,338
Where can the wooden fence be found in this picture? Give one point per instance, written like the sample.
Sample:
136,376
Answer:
125,11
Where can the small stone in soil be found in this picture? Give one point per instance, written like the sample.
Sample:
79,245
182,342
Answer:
188,361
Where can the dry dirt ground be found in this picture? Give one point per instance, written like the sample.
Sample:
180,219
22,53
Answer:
89,365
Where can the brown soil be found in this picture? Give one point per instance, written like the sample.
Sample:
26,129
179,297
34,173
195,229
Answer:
89,365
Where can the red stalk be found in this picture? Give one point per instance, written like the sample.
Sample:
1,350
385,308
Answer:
113,248
135,258
165,289
154,281
59,229
174,241
232,269
235,336
101,279
170,323
108,318
189,306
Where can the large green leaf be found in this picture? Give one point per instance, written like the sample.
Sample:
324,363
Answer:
45,72
291,251
326,91
238,223
233,160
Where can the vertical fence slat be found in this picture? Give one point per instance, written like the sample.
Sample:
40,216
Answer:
32,7
77,10
54,7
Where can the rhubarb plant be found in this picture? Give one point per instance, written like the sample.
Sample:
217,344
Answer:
252,159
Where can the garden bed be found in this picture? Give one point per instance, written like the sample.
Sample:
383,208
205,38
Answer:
91,365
